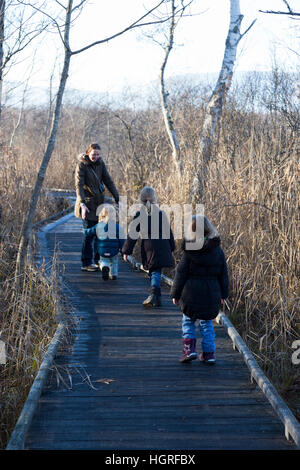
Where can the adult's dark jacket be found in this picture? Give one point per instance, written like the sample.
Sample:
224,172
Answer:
201,280
156,248
88,176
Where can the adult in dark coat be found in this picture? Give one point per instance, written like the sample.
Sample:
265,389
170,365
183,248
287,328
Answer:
200,285
152,226
91,175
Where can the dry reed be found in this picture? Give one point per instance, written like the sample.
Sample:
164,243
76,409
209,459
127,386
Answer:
28,313
251,193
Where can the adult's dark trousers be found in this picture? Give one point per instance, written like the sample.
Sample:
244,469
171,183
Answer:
89,249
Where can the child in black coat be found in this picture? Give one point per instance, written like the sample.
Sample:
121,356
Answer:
152,226
199,288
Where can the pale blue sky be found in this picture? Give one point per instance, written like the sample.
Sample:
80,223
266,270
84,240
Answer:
132,60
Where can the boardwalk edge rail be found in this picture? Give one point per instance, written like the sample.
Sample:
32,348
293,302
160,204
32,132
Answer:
17,439
291,424
18,436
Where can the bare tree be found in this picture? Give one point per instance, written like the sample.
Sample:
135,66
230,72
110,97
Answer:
68,53
17,123
164,96
177,10
289,12
17,31
216,102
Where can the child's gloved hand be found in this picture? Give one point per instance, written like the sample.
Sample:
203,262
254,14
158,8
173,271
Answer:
175,301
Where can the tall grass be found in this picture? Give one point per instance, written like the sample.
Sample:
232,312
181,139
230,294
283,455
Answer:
256,207
28,311
28,322
251,193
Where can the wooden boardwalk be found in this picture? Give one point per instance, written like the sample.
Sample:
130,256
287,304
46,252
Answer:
121,384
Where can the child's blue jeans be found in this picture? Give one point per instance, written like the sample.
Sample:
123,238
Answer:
112,263
206,332
155,278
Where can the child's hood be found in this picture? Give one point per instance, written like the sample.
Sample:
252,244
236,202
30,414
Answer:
211,246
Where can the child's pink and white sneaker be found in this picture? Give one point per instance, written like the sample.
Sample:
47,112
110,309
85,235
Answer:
189,352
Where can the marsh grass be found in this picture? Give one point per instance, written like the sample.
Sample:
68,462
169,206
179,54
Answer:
250,193
29,310
255,205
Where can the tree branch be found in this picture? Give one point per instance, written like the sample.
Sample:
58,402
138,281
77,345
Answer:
288,6
290,12
21,2
248,29
280,12
135,24
79,5
60,4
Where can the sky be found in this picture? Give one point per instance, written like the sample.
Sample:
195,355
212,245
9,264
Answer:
134,60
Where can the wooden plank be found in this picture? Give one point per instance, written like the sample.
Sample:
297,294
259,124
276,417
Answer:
161,440
113,415
85,431
157,401
112,444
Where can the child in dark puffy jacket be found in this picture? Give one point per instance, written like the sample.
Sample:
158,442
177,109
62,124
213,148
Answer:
109,241
200,286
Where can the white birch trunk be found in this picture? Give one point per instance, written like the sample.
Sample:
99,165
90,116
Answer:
214,107
164,100
217,99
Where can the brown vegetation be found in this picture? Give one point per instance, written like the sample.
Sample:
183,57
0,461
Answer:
28,314
251,194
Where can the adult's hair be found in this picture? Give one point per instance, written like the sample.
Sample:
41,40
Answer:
93,147
148,197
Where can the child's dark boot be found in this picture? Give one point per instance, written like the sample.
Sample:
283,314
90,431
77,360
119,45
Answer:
189,350
105,273
152,300
149,302
157,300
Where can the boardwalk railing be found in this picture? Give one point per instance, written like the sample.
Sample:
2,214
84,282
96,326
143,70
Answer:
291,424
17,439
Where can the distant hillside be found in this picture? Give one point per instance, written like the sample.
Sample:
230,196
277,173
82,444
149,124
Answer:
14,95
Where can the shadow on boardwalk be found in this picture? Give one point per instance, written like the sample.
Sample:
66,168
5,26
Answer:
127,388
